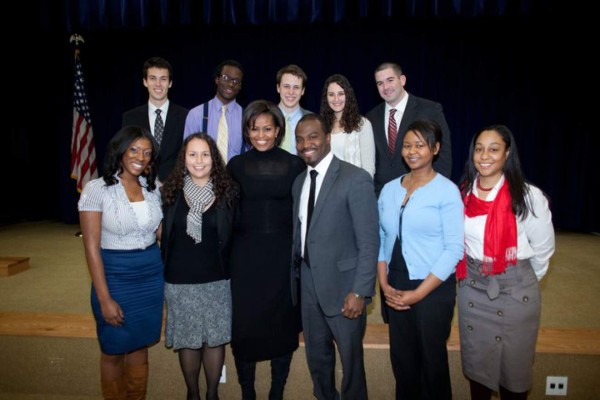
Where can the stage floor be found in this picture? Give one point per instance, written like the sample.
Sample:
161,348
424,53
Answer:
58,281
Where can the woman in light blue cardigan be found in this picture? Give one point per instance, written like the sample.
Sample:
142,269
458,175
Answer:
421,229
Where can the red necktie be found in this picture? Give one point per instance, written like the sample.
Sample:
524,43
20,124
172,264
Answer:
392,132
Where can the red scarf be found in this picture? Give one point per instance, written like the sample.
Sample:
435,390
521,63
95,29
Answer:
500,233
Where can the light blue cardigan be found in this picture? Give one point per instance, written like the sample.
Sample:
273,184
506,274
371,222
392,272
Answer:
432,227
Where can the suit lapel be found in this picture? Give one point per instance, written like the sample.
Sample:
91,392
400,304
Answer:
296,191
326,187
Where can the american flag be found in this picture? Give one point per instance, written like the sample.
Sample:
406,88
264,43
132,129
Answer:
83,153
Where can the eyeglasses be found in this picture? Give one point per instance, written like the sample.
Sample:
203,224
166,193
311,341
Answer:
227,79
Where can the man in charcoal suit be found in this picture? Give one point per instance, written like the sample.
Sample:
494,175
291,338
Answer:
336,243
404,109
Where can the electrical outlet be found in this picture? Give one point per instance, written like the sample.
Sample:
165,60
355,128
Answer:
56,365
223,375
556,385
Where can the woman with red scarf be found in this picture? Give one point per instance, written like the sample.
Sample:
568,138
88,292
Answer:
509,239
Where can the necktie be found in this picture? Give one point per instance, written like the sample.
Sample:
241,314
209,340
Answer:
159,126
309,210
222,135
285,145
392,131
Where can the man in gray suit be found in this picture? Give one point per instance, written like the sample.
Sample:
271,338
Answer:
336,254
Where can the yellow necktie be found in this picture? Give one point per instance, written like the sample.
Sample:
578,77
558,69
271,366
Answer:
222,135
286,145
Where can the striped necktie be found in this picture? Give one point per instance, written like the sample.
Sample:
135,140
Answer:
223,135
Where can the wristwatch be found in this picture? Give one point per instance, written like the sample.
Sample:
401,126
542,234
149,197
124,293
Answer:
358,296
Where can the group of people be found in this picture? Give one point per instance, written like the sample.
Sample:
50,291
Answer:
255,224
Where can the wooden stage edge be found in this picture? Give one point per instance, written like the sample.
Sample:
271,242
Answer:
550,340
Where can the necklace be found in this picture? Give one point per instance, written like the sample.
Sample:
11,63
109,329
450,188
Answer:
479,187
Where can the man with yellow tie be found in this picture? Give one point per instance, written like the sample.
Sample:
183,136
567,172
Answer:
291,81
221,117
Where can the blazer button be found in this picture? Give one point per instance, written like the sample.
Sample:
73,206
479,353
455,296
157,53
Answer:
469,327
500,313
525,299
472,282
498,339
470,304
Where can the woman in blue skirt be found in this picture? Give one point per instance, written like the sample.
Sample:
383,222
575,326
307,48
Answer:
120,215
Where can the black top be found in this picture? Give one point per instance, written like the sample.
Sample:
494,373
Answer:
265,323
191,263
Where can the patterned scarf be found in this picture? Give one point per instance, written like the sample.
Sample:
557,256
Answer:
500,232
198,198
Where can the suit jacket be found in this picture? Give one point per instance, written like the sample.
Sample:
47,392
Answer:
387,166
343,239
225,217
172,135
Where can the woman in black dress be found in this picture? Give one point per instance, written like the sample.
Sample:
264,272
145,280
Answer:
265,322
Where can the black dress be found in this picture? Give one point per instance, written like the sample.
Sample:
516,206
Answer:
265,324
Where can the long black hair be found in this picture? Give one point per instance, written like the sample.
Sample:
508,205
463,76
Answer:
512,171
119,145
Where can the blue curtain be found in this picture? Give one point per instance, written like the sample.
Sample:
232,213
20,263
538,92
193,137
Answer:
103,14
486,62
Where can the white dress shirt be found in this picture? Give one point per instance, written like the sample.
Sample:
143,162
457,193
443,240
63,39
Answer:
321,168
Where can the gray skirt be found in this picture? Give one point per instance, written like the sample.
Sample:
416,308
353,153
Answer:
499,318
198,314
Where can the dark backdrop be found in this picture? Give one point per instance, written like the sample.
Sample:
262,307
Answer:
486,62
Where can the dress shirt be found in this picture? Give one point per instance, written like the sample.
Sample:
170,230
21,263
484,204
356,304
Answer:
535,234
321,168
400,107
164,110
194,123
432,227
293,119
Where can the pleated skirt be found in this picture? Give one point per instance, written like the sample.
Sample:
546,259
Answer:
135,281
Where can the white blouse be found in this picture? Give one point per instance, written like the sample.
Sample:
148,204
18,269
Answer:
535,234
356,147
121,227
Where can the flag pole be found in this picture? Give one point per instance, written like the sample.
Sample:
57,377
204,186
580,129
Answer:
76,39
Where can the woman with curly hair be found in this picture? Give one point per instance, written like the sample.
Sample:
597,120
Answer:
351,134
199,199
120,215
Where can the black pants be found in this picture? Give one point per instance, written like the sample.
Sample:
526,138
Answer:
418,337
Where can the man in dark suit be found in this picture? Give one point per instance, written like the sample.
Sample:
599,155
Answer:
161,117
336,254
404,109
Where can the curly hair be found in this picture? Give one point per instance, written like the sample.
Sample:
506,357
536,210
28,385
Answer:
223,186
119,145
512,171
351,119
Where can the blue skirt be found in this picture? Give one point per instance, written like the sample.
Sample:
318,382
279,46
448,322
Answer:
135,281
